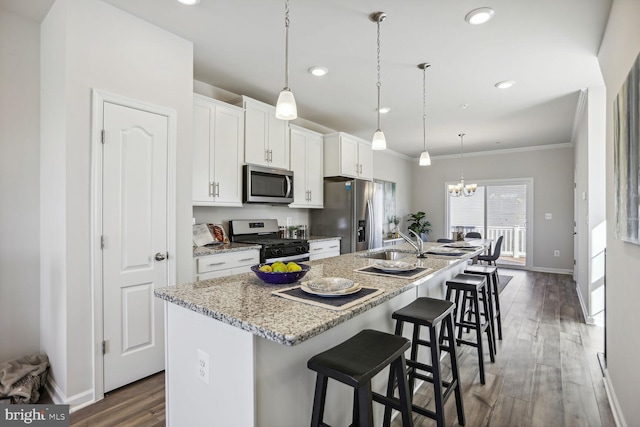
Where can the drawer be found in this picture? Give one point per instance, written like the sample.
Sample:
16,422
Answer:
324,246
217,262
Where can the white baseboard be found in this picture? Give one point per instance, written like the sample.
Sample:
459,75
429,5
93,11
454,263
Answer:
618,417
75,402
585,314
551,270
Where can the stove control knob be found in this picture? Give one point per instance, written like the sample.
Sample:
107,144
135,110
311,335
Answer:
300,249
277,251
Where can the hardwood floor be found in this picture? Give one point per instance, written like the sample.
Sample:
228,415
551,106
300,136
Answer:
546,371
140,404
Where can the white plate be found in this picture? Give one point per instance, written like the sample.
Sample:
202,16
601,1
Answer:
348,291
394,266
445,251
459,244
329,284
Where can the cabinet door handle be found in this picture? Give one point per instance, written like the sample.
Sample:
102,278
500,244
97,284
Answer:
334,246
217,189
357,168
270,155
245,259
318,249
266,156
309,195
360,168
211,189
215,263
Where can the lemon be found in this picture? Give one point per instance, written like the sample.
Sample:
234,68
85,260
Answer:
266,268
279,268
292,266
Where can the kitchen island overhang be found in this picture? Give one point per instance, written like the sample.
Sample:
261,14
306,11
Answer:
258,344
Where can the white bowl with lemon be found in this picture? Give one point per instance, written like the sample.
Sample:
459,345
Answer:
279,273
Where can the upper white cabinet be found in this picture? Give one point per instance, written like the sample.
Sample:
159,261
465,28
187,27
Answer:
347,155
306,164
266,139
218,152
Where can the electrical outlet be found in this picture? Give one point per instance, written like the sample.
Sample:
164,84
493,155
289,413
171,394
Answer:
556,253
548,216
289,220
203,366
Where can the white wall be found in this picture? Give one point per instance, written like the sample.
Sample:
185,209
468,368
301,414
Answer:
552,173
88,44
19,186
394,167
619,49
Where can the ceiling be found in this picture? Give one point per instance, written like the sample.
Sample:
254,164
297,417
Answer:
548,47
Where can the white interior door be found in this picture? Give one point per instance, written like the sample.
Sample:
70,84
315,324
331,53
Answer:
134,227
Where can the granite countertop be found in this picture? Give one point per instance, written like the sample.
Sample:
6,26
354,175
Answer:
218,249
244,301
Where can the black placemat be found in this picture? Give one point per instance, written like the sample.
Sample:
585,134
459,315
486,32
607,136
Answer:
334,303
418,271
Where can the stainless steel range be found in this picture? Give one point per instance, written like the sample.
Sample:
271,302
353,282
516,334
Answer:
265,232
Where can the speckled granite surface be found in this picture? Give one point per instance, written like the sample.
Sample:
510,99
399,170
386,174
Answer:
244,301
229,247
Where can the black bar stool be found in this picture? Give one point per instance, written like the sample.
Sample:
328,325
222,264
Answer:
355,362
493,280
480,321
434,314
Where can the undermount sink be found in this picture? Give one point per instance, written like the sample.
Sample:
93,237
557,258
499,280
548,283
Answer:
388,255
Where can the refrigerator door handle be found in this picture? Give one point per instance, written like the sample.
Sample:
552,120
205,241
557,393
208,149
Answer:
370,215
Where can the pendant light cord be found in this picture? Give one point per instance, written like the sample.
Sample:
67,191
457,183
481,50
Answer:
461,158
424,107
286,44
379,84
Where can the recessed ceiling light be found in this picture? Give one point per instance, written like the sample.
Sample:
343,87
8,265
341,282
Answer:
464,106
384,110
318,71
189,2
505,84
479,16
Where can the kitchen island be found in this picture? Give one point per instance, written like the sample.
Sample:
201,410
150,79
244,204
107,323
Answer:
236,354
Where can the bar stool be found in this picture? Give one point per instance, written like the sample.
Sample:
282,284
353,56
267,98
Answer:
435,314
354,363
493,280
481,320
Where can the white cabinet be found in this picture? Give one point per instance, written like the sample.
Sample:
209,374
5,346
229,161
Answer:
346,155
218,153
324,249
225,264
306,164
266,138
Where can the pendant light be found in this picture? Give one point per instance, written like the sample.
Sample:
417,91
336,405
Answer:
286,106
425,159
379,142
462,189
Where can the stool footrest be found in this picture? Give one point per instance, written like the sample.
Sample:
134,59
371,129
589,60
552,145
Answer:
387,401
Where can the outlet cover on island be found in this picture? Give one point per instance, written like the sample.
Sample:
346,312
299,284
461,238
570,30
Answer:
203,366
556,253
547,216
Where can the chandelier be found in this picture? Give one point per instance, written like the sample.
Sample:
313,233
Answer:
462,189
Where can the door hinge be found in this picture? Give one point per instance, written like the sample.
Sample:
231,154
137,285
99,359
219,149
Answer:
101,242
104,347
102,136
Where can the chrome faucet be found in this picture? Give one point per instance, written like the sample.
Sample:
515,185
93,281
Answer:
417,245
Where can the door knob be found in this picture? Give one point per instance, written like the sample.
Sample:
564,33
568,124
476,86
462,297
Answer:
160,256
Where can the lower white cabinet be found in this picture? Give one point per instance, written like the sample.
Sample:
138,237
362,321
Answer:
224,264
324,249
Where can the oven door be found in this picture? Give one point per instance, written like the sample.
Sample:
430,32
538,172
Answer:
285,259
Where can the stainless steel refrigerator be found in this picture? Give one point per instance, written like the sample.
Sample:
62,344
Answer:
353,211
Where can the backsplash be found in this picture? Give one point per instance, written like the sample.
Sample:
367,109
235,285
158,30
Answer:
221,215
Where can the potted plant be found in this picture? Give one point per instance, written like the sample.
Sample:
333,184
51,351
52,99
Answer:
418,223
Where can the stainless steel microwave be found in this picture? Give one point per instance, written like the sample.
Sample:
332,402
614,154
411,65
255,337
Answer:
267,185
